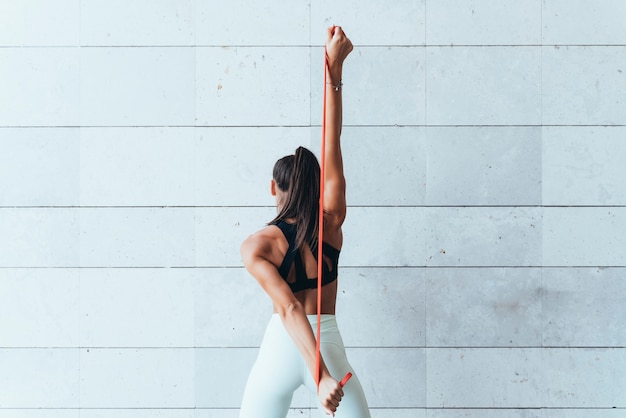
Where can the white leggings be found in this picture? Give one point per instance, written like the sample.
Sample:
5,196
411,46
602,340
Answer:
280,370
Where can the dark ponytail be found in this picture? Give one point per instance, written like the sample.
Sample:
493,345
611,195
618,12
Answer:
299,176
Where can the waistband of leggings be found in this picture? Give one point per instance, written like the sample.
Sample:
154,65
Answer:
325,319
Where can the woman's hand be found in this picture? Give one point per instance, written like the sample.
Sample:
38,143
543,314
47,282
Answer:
338,46
329,394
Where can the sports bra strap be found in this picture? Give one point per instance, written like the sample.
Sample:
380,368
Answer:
293,258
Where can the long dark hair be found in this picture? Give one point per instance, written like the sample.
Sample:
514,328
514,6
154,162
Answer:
299,176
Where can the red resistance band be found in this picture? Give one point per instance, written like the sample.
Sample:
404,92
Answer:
320,240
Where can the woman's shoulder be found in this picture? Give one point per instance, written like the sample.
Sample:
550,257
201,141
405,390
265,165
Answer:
264,235
263,242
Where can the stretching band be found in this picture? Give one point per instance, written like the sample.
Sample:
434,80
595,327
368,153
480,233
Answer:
321,237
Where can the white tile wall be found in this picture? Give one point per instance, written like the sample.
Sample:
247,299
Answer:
581,413
151,378
137,237
582,165
569,387
161,296
569,22
221,24
40,23
483,22
484,166
40,86
374,169
140,23
39,378
583,85
398,413
482,272
40,413
245,86
215,365
137,166
39,237
39,307
137,86
361,291
483,86
224,413
484,377
379,236
584,307
135,413
483,236
391,377
39,167
234,413
584,236
241,326
496,307
484,413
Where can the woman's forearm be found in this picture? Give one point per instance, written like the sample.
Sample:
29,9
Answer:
334,121
299,329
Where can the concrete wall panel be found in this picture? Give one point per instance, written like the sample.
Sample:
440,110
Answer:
483,22
137,166
39,378
568,22
583,166
137,86
583,85
39,237
140,23
40,86
576,377
484,377
584,307
245,86
155,378
484,166
156,308
584,236
483,86
39,307
479,307
133,237
39,167
232,23
484,236
39,23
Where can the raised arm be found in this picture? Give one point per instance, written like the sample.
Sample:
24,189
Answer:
338,46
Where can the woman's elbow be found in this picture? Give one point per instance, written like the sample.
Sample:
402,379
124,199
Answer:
289,309
248,252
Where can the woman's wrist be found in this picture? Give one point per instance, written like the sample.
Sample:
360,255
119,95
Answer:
335,86
324,373
333,79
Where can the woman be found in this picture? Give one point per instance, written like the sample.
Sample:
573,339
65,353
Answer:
282,257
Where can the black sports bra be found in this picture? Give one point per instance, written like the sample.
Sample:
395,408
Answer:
292,256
